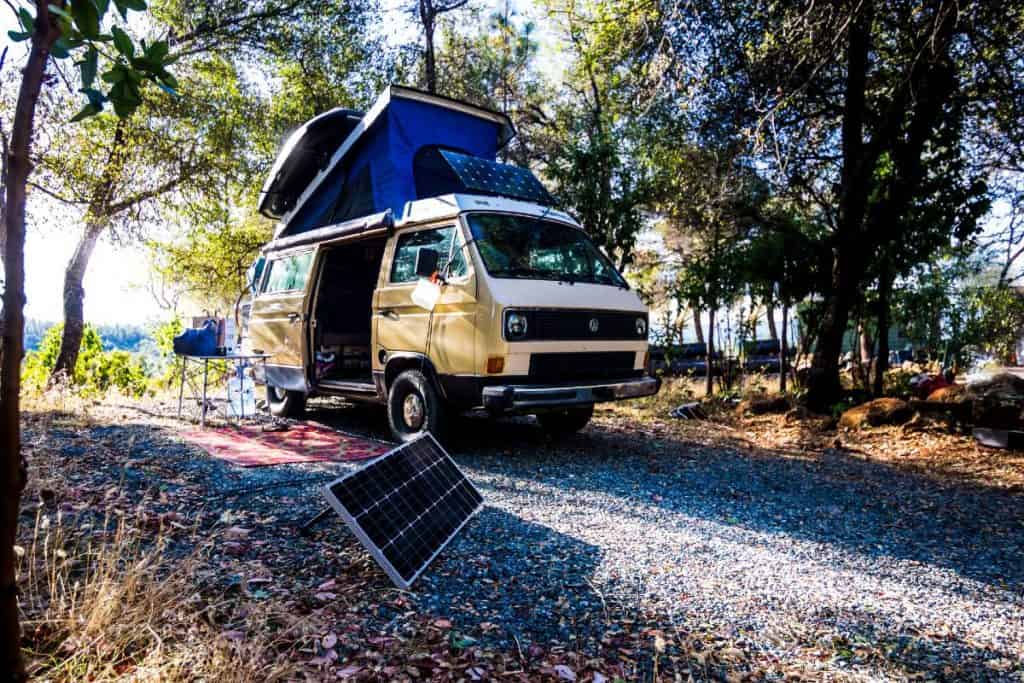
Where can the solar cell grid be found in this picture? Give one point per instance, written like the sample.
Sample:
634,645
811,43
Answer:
405,506
499,179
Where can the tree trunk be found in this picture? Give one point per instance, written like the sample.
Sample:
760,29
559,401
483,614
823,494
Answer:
769,316
96,219
865,342
783,349
698,330
12,467
709,375
427,16
884,291
74,301
823,385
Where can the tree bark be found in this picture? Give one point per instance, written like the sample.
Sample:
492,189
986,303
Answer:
824,387
884,297
101,208
427,16
769,316
12,466
709,375
698,330
74,300
783,349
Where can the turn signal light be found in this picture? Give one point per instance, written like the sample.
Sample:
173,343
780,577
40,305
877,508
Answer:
495,364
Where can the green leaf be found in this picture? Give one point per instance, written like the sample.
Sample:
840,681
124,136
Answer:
58,11
102,6
27,21
18,36
87,17
94,96
124,5
123,42
89,66
158,50
87,111
60,50
125,97
169,79
114,75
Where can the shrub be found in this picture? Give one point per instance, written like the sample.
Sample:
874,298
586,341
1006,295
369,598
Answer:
96,372
169,365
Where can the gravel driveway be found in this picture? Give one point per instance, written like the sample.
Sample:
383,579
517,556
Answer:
839,561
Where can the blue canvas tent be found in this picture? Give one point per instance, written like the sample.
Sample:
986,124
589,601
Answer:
410,145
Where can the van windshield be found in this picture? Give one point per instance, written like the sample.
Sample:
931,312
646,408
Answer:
535,249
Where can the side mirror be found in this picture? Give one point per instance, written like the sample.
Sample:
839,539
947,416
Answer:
426,262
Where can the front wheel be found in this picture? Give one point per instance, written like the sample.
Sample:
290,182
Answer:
565,422
414,407
284,403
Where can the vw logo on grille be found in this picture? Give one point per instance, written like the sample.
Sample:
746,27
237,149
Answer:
593,325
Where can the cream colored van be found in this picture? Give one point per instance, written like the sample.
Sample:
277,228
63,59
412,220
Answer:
466,302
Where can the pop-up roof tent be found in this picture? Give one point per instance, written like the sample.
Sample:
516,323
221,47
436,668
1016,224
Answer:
410,145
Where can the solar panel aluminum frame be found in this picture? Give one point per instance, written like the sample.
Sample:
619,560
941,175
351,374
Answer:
375,551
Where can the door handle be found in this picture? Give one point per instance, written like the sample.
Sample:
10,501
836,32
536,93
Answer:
293,317
389,314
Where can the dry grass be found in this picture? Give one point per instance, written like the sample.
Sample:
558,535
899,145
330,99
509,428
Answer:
117,608
101,598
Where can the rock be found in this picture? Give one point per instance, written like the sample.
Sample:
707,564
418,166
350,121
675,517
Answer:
954,393
762,405
998,401
881,411
1003,386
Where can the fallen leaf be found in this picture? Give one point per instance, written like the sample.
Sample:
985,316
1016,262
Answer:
349,671
565,673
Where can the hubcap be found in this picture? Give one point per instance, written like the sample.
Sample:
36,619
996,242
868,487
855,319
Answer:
412,411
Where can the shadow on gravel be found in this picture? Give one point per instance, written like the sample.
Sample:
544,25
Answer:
500,569
917,655
528,580
839,498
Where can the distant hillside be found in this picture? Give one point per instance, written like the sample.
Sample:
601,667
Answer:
122,337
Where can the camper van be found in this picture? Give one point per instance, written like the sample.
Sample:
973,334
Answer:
411,269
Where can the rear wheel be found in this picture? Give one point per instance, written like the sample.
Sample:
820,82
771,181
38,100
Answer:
414,407
565,422
285,403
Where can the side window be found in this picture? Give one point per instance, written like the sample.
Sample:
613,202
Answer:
403,266
288,273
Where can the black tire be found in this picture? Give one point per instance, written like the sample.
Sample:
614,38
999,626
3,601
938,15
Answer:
285,403
414,407
565,422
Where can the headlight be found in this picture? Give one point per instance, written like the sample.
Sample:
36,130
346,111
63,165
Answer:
641,327
515,325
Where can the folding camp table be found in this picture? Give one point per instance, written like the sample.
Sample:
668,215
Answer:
237,361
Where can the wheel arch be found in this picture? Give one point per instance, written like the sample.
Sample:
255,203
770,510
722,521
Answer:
407,360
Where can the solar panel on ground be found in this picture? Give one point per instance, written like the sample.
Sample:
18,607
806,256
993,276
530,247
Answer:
405,506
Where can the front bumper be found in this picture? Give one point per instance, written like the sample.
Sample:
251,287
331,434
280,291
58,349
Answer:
522,398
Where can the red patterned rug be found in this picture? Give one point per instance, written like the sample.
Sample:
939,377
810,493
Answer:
249,446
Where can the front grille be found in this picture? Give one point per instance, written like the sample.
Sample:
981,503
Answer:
559,367
574,325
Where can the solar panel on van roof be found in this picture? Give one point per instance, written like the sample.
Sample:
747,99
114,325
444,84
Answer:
490,177
405,506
